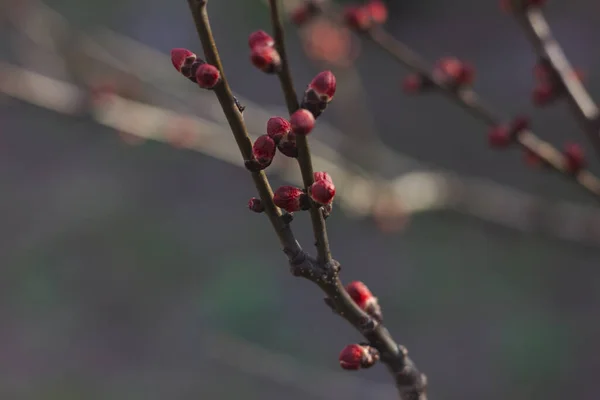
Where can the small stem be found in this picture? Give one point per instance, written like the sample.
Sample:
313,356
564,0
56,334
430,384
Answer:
539,34
304,156
238,127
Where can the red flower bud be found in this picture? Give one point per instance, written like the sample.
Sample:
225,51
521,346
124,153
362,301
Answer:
322,176
358,18
378,11
263,150
360,293
323,85
499,137
265,58
454,71
413,84
356,356
278,128
260,39
256,205
322,191
574,158
364,299
544,94
207,76
519,124
289,198
181,57
303,122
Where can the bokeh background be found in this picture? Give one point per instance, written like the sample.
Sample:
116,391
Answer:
131,269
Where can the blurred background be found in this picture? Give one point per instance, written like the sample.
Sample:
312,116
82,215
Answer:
132,269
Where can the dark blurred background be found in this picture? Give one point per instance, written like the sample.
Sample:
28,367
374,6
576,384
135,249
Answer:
136,271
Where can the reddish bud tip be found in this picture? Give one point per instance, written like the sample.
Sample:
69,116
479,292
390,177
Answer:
303,122
358,18
263,150
360,293
181,57
289,198
322,191
322,176
324,85
207,76
454,71
256,205
278,128
265,58
519,124
378,11
574,158
413,84
356,356
260,38
543,94
499,137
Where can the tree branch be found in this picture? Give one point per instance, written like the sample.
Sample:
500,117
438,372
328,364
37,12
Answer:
304,157
474,105
238,128
410,382
533,22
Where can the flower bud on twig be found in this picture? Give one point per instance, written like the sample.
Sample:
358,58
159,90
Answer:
364,299
290,199
278,128
322,191
302,121
256,205
207,76
260,39
356,356
263,150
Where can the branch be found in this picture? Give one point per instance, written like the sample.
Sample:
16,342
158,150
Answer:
304,156
238,128
533,22
410,382
474,105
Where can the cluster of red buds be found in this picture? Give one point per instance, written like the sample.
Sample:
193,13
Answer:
306,11
520,5
503,136
280,130
357,356
548,86
364,17
263,54
319,93
448,71
322,192
364,299
195,69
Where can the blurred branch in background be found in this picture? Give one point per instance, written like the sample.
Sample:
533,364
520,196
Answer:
100,73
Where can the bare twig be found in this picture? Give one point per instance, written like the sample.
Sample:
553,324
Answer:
304,156
538,32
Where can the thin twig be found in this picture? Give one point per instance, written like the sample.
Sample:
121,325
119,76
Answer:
410,382
238,128
472,103
304,156
547,48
